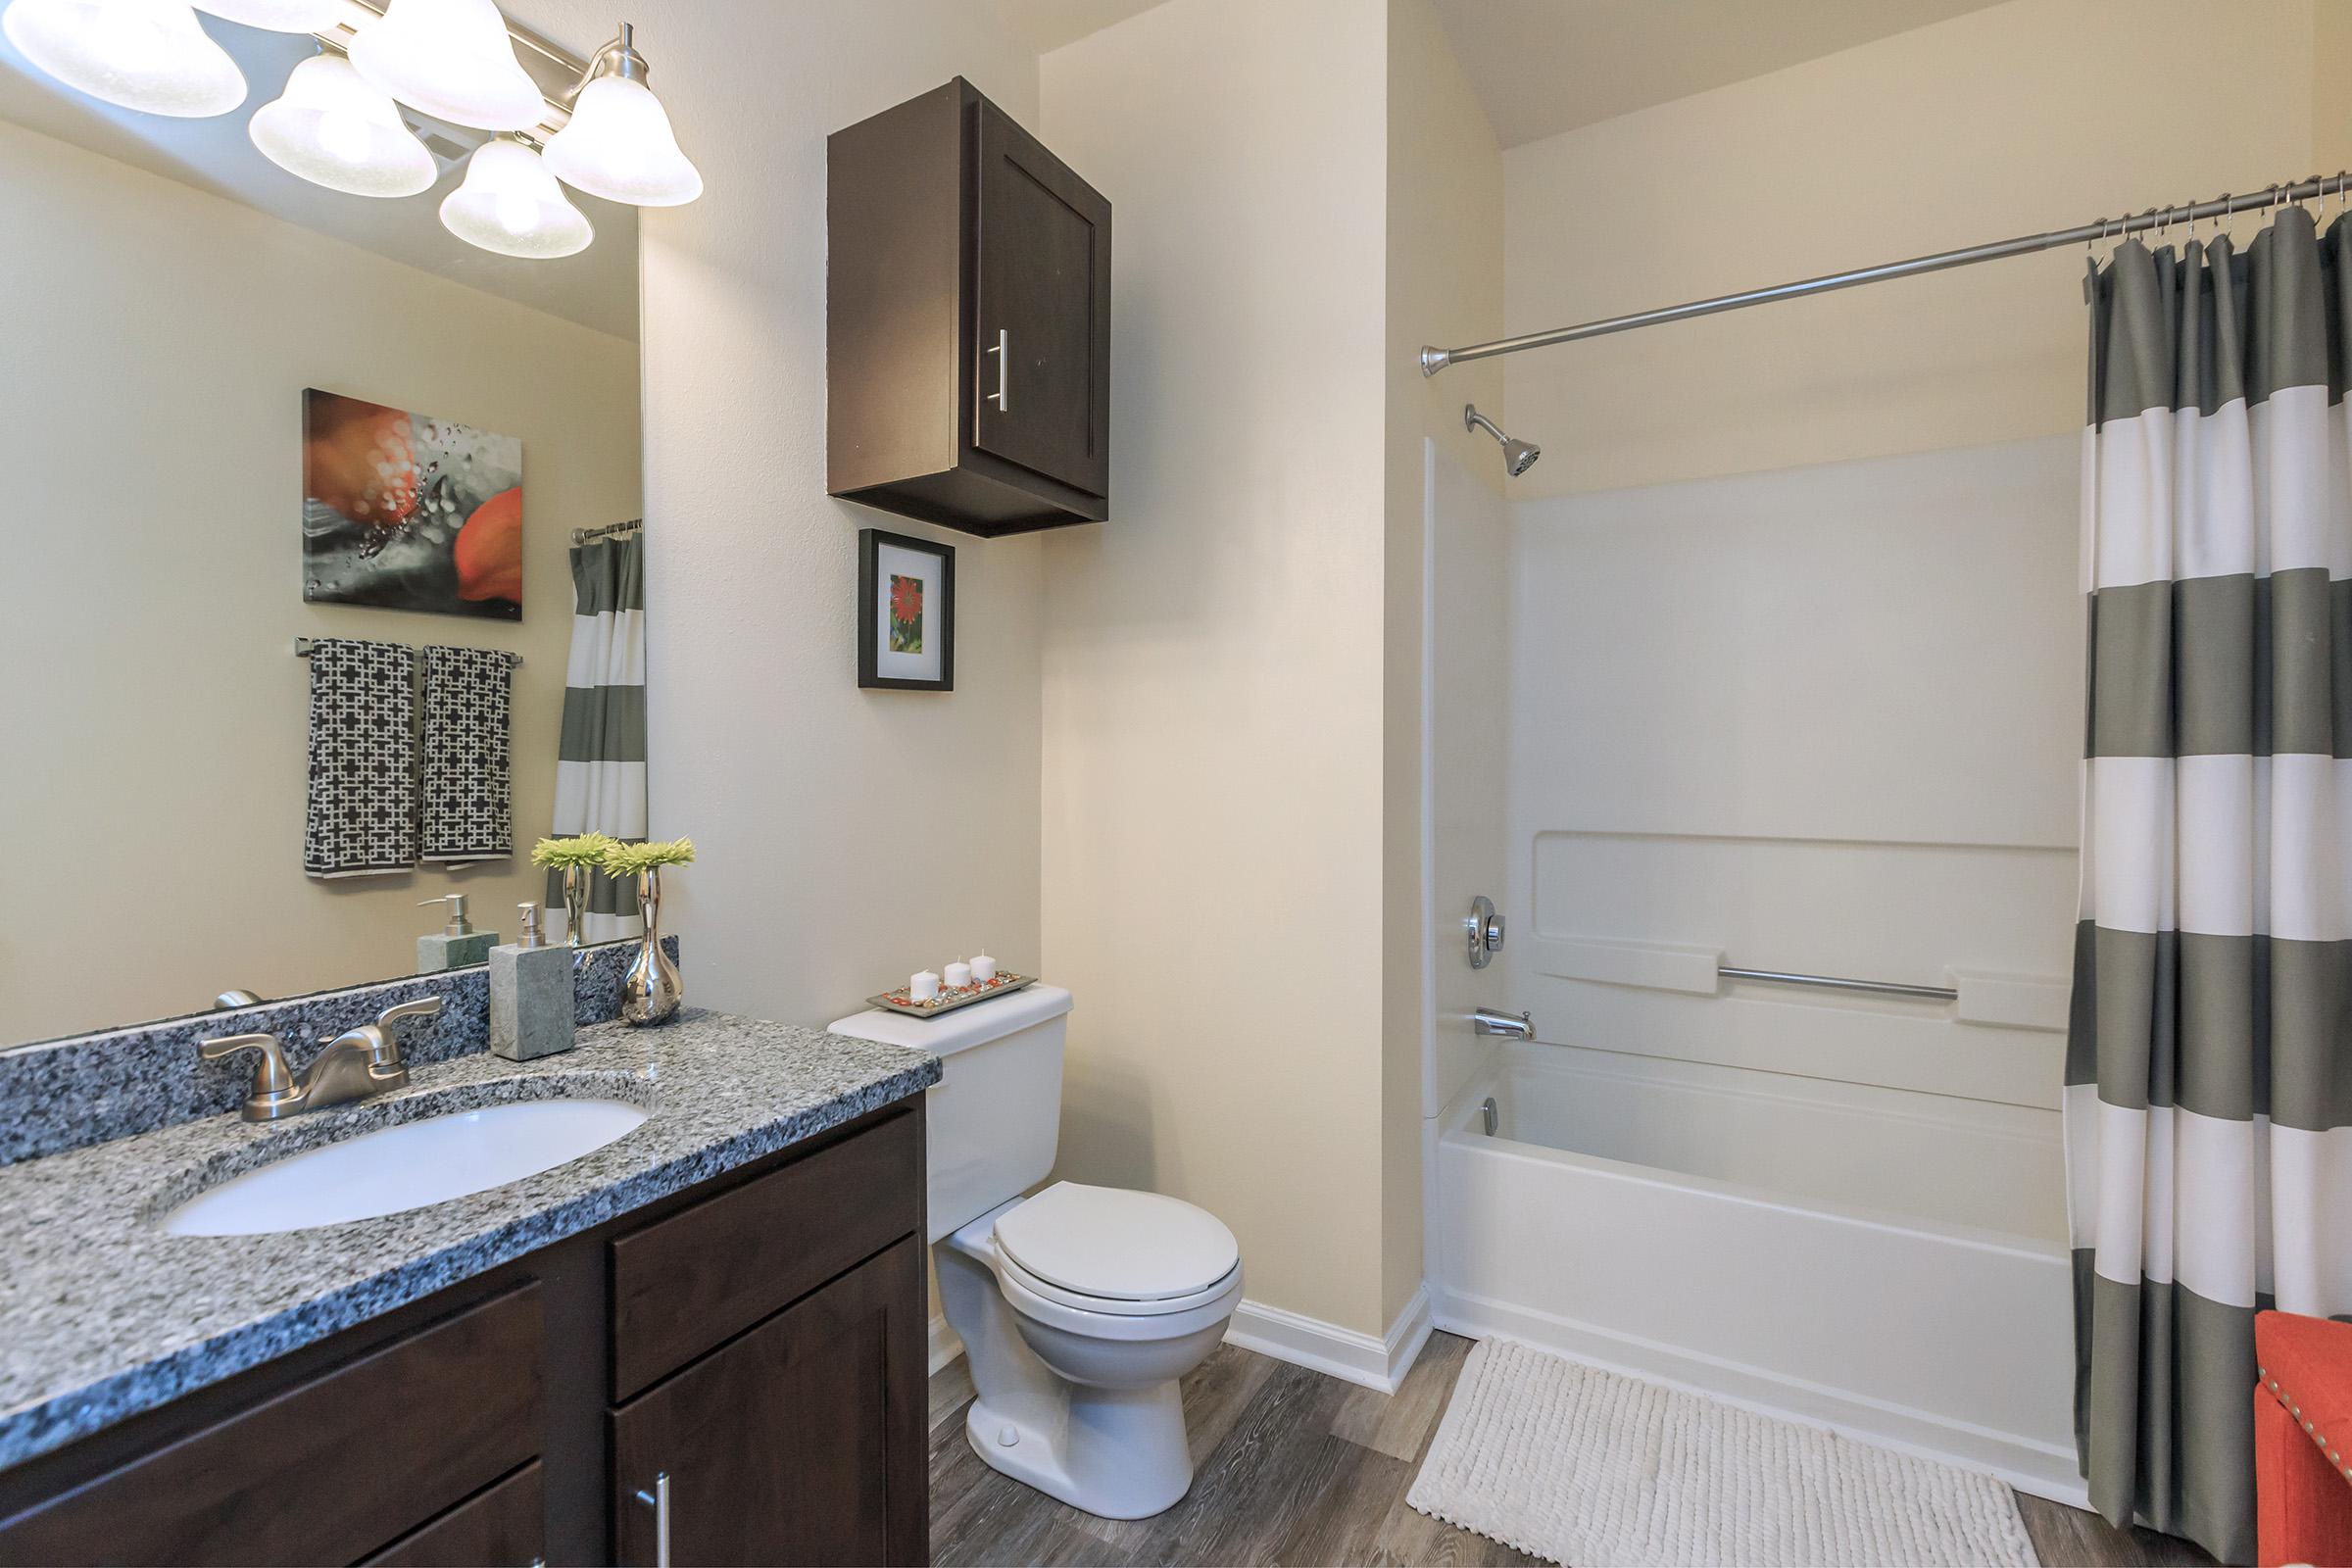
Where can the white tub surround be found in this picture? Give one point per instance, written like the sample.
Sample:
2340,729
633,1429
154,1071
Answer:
1676,1221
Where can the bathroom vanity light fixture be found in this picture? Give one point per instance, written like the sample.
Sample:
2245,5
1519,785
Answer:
617,143
335,128
338,124
453,60
512,205
148,55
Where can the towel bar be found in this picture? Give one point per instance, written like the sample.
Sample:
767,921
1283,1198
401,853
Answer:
303,645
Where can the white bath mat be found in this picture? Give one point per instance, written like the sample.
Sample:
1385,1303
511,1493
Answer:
1600,1471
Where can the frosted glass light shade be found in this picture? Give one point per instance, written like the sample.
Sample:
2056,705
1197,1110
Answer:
618,145
335,129
512,205
279,16
450,59
148,55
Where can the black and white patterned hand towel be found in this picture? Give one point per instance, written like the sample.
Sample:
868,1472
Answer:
468,771
362,818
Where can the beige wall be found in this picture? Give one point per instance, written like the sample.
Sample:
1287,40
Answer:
2029,116
1444,285
150,432
848,837
1213,691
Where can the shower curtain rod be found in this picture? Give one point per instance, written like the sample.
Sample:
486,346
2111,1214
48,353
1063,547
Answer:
1433,359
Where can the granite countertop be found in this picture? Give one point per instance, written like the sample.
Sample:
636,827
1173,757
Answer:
108,1315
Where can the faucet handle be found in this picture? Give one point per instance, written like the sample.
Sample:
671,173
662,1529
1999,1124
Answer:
271,1077
418,1007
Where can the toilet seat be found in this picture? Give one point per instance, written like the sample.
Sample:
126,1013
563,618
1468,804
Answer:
1111,1249
1093,1325
1115,1306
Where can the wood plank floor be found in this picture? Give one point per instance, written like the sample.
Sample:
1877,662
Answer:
1297,1467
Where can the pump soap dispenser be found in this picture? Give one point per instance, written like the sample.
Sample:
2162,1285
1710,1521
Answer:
456,944
530,994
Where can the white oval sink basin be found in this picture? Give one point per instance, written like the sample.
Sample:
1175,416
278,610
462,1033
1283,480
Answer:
413,1165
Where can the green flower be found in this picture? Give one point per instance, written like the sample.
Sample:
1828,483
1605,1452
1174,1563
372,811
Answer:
589,848
633,859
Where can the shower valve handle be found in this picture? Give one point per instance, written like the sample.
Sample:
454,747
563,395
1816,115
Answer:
1483,928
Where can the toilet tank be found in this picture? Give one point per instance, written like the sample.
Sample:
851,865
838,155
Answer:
992,1120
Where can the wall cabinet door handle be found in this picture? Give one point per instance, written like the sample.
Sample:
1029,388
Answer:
1002,396
657,1499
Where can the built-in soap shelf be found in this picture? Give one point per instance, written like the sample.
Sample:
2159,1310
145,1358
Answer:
1976,996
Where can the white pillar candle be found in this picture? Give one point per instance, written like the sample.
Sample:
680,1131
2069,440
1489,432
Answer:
923,987
984,967
959,975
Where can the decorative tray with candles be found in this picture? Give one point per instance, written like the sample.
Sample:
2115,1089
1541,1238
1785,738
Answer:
950,998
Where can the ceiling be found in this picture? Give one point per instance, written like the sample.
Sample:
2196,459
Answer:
597,287
1542,66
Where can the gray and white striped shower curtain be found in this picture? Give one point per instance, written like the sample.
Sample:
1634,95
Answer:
600,767
2209,1060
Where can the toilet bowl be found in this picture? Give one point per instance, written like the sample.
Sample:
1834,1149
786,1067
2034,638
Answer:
1079,1307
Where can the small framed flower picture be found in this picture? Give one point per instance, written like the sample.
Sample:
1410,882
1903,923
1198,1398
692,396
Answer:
905,612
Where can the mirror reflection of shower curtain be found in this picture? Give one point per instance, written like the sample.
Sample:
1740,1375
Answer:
600,767
2209,1060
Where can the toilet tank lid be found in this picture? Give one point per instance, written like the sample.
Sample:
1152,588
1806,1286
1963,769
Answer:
962,1029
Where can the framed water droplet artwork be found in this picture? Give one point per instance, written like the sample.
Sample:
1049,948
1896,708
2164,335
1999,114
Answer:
905,612
408,512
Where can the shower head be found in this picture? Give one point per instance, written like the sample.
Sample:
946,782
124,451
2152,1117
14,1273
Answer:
1517,456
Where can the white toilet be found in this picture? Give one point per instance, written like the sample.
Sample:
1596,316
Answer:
1079,1307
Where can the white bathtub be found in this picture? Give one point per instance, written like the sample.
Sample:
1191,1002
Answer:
1695,1224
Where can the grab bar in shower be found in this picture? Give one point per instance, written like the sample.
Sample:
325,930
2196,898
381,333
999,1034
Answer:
1830,982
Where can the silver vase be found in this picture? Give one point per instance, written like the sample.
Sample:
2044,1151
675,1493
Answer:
576,880
649,993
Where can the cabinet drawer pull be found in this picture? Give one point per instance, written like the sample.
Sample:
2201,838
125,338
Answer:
657,1499
1001,397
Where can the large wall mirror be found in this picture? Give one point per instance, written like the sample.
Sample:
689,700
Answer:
187,322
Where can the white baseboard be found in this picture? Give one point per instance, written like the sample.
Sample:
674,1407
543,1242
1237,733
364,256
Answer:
1376,1363
1349,1354
2032,1467
946,1348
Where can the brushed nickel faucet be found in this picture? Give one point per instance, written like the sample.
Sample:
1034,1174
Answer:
355,1064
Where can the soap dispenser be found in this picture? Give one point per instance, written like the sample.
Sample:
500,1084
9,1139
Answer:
530,994
456,944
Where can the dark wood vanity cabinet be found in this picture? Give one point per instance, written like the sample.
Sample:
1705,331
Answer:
968,322
759,1340
784,1446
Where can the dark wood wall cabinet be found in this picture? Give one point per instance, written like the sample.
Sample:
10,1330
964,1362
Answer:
968,322
734,1375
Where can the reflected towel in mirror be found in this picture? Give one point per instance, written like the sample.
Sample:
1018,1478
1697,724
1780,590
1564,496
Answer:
468,768
361,814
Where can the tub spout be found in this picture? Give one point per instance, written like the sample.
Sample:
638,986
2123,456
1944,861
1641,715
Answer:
1509,1025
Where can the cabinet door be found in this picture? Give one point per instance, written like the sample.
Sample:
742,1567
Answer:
802,1441
1043,294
